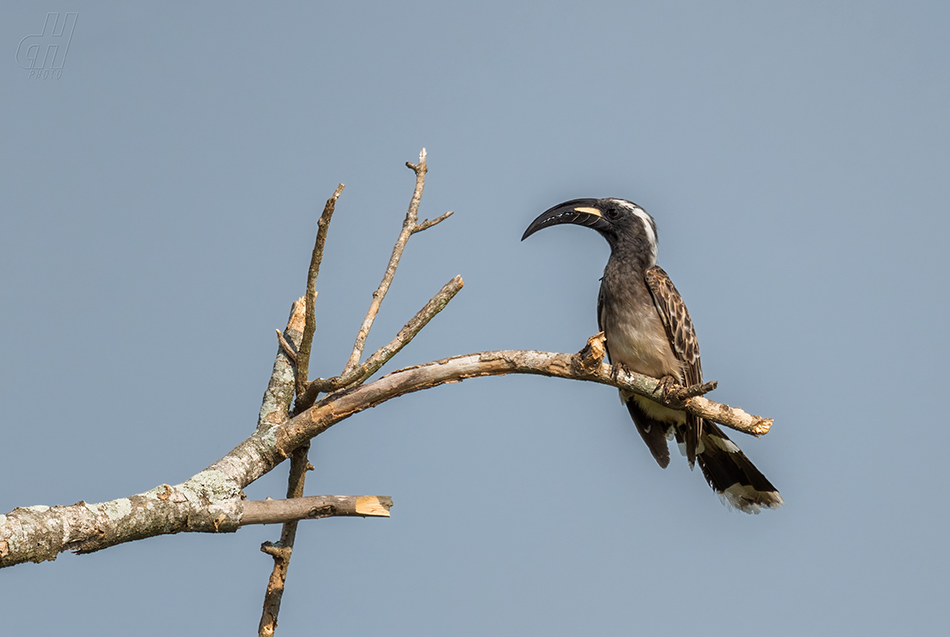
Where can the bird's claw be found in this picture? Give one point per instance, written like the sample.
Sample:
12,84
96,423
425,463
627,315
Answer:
676,395
664,387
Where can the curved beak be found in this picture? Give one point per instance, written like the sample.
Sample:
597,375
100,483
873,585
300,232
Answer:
583,212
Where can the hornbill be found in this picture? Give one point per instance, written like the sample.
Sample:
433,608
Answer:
648,330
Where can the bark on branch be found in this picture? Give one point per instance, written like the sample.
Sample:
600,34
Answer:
210,501
40,533
288,368
314,507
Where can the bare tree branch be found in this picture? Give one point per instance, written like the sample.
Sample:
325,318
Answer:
316,258
352,375
410,226
358,374
209,501
283,382
272,511
290,512
299,461
314,507
581,366
280,387
40,533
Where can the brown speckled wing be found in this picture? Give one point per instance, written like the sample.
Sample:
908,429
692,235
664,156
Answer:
682,336
675,318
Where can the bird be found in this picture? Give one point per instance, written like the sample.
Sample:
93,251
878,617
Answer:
648,330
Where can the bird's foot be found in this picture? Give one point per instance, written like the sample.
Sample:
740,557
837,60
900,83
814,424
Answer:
619,368
677,395
664,387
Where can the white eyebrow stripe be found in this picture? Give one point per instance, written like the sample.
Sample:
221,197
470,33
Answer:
648,223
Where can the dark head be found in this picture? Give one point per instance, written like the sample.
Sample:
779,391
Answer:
625,225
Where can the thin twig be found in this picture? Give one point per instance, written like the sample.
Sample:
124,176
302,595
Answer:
299,462
299,465
359,374
428,224
303,353
286,348
410,226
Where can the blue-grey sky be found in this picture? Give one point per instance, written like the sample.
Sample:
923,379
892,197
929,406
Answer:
159,194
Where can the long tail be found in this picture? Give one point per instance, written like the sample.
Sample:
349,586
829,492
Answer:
732,475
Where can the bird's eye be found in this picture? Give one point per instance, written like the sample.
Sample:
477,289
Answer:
612,213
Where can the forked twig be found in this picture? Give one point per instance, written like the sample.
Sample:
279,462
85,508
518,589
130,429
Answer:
359,374
353,373
410,226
